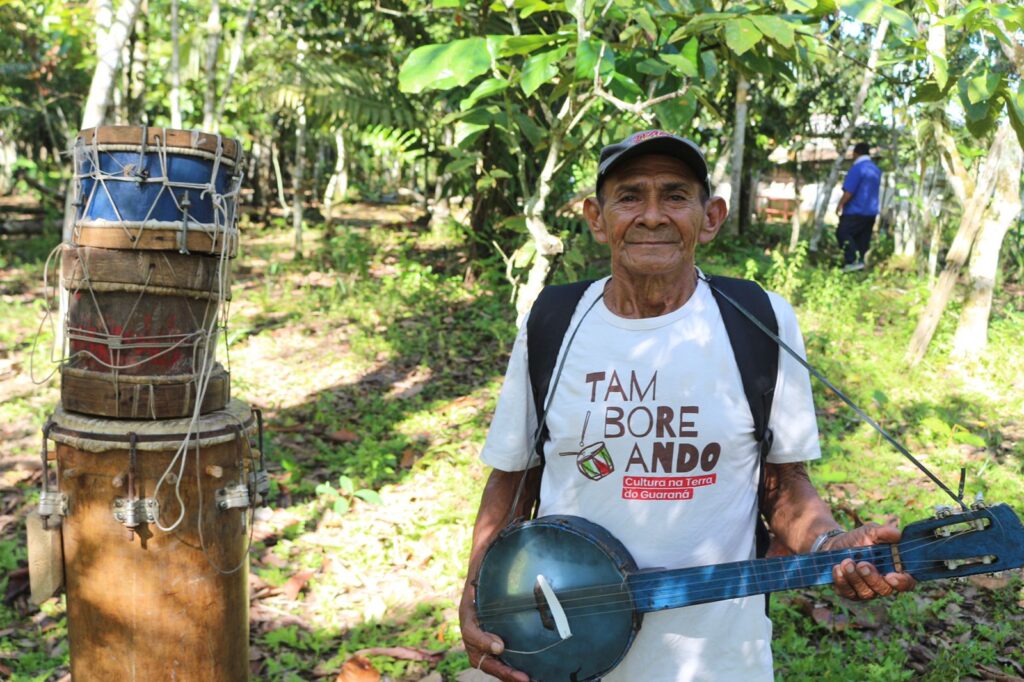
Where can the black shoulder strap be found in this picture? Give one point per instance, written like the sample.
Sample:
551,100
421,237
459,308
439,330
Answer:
757,356
756,353
545,328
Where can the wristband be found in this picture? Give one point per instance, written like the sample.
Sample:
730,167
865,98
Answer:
825,537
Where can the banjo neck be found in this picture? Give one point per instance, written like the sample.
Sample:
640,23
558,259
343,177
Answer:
660,589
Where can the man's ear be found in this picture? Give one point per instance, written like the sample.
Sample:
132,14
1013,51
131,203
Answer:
715,213
592,212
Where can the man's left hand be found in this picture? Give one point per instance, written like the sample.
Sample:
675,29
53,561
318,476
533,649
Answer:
862,581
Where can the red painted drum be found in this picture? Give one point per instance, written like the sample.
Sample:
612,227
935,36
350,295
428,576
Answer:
141,329
144,603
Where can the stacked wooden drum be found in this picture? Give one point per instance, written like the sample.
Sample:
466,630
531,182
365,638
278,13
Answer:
157,468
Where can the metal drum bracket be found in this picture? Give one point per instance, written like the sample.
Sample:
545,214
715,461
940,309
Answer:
133,512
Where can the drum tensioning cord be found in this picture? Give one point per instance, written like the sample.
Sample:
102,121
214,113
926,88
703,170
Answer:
957,497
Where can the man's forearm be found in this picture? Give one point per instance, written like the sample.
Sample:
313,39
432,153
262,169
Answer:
495,505
796,513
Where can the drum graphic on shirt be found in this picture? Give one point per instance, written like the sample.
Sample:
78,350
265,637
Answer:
593,461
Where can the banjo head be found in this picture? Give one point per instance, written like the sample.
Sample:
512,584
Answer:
586,567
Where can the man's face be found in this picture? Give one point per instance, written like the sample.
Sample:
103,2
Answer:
652,217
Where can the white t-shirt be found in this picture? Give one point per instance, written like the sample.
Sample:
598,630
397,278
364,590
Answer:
652,438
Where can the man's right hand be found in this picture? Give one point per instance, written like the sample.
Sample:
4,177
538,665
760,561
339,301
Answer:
482,647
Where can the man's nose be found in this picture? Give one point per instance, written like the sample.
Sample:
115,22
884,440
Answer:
653,213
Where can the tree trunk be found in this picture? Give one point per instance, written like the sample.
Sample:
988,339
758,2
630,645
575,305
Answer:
136,92
933,249
338,184
794,220
104,19
175,94
732,225
213,35
276,161
973,211
297,177
546,245
108,63
721,166
971,335
825,195
233,62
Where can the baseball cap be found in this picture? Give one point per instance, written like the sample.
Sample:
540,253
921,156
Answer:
654,142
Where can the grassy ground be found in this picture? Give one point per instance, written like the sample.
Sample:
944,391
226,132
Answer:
377,360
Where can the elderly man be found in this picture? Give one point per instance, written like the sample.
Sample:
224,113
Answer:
652,332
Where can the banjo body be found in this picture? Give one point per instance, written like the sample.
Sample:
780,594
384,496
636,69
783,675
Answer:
577,558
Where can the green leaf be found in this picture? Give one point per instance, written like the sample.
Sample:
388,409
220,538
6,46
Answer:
448,4
341,506
710,63
677,114
866,11
514,45
485,89
371,496
461,164
779,30
529,7
345,485
800,5
941,68
652,67
741,35
929,91
324,489
534,133
587,54
681,64
982,88
442,67
898,17
1015,109
540,69
643,17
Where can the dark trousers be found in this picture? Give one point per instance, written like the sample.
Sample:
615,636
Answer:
854,236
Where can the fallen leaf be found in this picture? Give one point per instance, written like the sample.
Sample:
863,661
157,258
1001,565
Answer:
990,582
404,653
295,584
409,457
358,669
824,616
996,675
342,436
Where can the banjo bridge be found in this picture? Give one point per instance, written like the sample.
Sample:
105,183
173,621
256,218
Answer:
552,615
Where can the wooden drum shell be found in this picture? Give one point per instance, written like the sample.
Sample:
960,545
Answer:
137,326
150,606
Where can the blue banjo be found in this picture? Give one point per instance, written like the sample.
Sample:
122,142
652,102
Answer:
567,598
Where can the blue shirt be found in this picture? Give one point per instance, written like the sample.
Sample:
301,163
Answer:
862,181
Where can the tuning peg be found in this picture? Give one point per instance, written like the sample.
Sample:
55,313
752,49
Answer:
942,511
979,502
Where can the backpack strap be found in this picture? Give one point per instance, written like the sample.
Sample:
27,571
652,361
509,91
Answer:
757,356
545,328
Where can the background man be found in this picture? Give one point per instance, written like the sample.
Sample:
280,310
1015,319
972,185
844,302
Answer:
858,207
652,335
